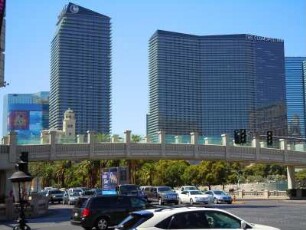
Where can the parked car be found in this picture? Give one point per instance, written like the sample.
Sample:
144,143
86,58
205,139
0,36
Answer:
186,218
104,211
76,212
220,196
55,195
195,196
130,190
161,194
186,187
70,197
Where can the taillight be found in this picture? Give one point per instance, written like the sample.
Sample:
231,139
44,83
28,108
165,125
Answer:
85,212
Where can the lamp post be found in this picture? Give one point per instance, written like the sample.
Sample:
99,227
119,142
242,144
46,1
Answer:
21,182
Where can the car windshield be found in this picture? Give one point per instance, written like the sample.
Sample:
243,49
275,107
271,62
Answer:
75,194
164,189
196,193
219,193
190,188
56,192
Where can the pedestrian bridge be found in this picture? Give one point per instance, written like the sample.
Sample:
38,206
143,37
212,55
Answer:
92,150
53,150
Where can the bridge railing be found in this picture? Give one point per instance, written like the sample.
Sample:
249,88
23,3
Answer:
296,144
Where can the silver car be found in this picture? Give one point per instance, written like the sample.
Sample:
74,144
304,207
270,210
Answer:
220,196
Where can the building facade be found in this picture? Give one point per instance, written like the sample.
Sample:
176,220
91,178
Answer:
81,70
26,114
295,89
2,42
216,84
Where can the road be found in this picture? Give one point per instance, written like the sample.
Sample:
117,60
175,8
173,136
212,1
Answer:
284,214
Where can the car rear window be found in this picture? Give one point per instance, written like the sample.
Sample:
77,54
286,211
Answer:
107,201
81,202
133,220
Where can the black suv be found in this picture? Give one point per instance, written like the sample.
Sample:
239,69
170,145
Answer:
102,212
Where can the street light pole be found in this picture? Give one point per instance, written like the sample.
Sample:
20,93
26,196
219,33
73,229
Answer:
19,180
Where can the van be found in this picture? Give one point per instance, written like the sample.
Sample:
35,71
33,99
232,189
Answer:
107,211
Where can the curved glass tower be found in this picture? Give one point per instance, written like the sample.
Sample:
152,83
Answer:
216,84
81,70
295,89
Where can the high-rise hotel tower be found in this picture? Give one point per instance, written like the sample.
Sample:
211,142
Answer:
81,70
216,84
296,95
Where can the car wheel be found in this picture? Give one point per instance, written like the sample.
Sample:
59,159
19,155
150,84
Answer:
160,202
102,223
191,201
215,201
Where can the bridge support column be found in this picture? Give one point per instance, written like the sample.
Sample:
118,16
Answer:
290,169
91,141
52,142
178,139
162,141
206,142
194,139
80,138
224,143
256,144
283,146
128,142
291,177
13,145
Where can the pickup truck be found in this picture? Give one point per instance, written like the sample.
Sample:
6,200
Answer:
161,194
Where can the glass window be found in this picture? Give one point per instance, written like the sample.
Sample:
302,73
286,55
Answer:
221,220
138,203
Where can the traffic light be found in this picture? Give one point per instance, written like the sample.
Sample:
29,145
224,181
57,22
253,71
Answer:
237,136
22,165
240,136
243,136
269,138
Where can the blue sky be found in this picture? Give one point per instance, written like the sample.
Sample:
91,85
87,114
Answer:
31,24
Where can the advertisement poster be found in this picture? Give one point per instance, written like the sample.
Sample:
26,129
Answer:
18,120
109,180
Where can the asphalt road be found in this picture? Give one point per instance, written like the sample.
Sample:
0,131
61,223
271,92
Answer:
283,214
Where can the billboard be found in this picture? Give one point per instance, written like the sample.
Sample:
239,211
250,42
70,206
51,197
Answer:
18,120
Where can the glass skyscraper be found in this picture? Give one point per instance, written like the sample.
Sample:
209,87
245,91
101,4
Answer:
216,84
295,89
81,70
26,114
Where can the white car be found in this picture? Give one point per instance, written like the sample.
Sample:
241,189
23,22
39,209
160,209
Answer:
186,218
195,196
186,187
